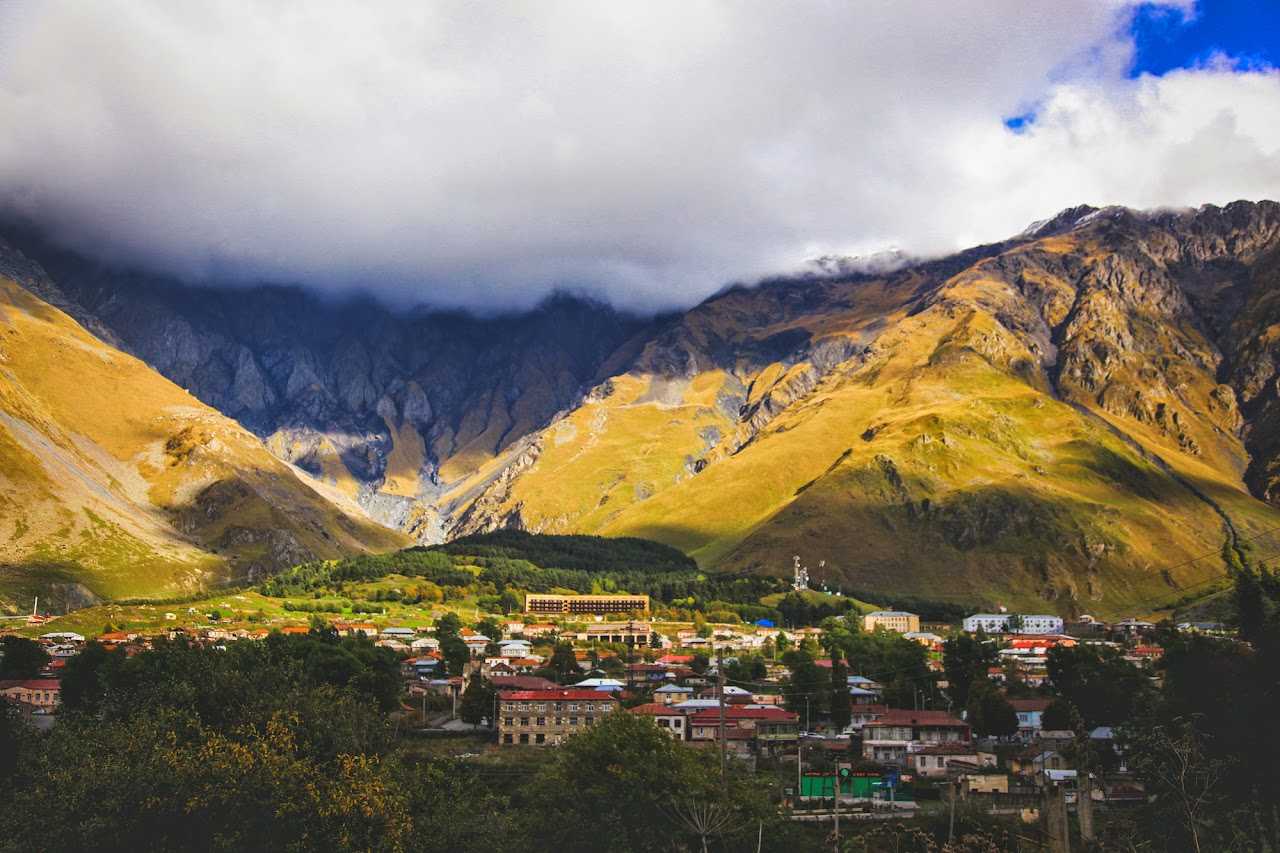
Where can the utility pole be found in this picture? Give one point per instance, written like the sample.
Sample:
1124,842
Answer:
951,819
1055,813
720,692
836,807
1084,804
799,768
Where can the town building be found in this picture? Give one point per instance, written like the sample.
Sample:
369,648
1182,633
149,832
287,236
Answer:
898,732
860,715
629,633
1029,712
750,727
43,693
547,717
671,721
1009,623
670,694
891,620
588,604
949,759
355,629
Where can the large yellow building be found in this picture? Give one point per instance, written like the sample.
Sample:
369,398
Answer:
585,604
892,620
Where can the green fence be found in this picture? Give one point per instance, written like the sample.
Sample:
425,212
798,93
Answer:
860,785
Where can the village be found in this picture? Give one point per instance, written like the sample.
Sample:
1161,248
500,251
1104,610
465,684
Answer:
844,739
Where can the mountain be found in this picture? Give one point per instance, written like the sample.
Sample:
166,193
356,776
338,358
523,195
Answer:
387,407
114,482
1084,415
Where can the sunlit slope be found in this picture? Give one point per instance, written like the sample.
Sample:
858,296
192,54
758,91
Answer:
1041,421
115,482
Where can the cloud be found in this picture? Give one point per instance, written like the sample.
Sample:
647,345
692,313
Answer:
480,155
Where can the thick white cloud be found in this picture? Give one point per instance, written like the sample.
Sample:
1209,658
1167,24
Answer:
482,154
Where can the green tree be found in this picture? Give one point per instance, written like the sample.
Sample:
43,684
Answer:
478,700
990,713
564,664
841,710
966,659
509,602
632,783
804,690
490,628
456,654
12,738
1185,778
22,658
701,663
1102,685
1060,716
86,675
448,625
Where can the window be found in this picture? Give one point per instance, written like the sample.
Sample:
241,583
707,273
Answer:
508,739
524,738
540,739
559,721
573,721
573,706
509,721
542,721
524,721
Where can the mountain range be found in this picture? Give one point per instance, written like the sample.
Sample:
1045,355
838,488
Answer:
1084,417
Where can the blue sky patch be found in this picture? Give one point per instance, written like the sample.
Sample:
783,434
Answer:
1246,30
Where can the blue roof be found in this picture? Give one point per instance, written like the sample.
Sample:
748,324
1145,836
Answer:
765,623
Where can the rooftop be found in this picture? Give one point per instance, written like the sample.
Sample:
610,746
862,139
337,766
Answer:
544,695
908,717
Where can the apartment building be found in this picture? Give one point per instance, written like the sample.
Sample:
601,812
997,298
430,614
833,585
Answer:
898,732
892,620
585,604
546,717
1009,623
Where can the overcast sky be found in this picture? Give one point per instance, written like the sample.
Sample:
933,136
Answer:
483,154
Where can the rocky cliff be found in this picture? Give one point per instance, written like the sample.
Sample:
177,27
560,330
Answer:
1083,414
387,407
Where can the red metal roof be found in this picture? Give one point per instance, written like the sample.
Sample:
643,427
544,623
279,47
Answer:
656,709
1032,704
731,712
523,682
544,695
907,717
32,684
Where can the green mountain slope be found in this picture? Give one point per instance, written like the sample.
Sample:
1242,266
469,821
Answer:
115,482
1050,419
